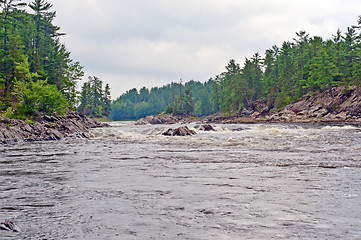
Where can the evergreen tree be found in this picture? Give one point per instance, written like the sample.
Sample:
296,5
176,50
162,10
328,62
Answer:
9,8
197,98
284,75
95,101
30,52
106,100
188,105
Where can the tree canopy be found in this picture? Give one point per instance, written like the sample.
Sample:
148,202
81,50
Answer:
134,104
284,74
32,60
94,100
37,74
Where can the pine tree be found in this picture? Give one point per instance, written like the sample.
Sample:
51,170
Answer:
8,8
188,105
106,100
95,101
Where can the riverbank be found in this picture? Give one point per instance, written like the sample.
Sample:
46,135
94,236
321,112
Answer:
336,105
46,128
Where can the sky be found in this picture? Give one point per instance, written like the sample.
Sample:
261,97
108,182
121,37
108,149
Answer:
150,43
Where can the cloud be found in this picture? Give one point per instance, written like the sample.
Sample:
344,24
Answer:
140,42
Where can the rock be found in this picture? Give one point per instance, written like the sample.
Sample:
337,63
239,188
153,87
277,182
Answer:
342,116
154,120
206,211
169,132
302,113
339,105
47,128
205,127
50,118
315,108
319,113
9,225
166,119
142,122
181,131
247,111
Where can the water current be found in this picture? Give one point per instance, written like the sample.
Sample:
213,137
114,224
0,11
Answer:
260,181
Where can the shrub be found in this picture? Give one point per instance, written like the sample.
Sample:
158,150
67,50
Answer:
8,113
39,97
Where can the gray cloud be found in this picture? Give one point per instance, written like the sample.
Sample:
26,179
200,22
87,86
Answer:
135,43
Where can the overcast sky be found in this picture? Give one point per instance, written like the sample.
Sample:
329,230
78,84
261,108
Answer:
136,43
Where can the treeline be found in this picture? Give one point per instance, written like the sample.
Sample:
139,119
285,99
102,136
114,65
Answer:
36,71
284,74
134,104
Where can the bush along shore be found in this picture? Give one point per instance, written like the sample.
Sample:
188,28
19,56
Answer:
332,105
46,128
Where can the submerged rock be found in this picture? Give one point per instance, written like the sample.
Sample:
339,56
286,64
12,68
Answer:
206,211
206,128
169,132
9,225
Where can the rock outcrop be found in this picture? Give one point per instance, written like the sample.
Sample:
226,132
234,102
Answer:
340,105
166,119
46,128
336,105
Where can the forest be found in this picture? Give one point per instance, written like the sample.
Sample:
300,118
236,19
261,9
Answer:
94,100
37,74
134,104
286,73
283,75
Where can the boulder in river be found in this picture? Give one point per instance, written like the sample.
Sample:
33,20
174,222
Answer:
206,128
181,131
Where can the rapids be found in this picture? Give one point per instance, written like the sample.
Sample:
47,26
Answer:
257,181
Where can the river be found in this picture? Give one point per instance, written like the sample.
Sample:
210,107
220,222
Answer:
258,181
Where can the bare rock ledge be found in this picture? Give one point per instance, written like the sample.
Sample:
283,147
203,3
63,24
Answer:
46,128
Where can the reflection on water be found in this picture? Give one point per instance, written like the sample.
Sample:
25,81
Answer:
273,181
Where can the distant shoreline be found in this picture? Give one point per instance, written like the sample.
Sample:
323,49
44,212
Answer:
336,106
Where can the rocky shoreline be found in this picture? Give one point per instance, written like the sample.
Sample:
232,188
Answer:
336,105
46,128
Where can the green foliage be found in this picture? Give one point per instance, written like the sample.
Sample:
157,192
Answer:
29,121
296,68
8,113
134,104
304,65
30,51
188,104
184,104
94,100
238,87
39,97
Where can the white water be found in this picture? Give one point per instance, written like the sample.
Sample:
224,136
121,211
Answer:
262,181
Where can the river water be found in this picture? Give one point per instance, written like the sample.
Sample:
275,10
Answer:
260,181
